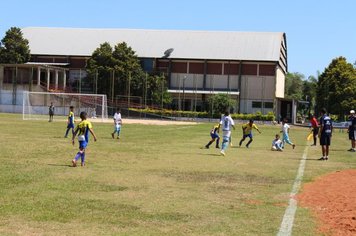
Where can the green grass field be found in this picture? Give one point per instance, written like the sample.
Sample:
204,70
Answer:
156,181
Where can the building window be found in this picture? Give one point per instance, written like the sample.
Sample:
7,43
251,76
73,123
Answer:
196,68
268,105
179,67
256,104
267,70
231,69
249,69
214,68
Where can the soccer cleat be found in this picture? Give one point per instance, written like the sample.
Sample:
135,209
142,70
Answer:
293,146
74,163
222,153
231,145
206,146
112,135
217,147
247,146
353,150
322,159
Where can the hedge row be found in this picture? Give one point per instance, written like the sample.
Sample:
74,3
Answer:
172,113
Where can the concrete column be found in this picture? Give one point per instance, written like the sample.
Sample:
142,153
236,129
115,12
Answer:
56,80
48,78
64,79
38,76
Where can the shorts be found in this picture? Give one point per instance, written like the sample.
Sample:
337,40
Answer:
117,129
69,126
247,135
325,140
83,144
315,131
214,136
352,135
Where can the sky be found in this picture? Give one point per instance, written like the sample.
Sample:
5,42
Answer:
317,30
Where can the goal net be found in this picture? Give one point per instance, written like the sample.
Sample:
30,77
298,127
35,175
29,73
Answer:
36,105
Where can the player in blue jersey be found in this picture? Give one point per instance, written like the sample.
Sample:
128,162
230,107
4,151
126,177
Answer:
82,130
70,121
352,131
325,133
226,123
214,134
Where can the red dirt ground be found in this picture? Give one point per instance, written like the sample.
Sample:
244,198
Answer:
333,200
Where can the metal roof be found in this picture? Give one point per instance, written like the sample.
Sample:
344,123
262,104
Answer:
218,45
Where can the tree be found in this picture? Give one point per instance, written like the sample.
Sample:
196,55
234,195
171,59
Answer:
221,102
14,48
309,91
100,68
157,85
336,89
128,70
118,70
294,86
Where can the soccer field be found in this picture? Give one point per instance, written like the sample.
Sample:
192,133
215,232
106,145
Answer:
156,181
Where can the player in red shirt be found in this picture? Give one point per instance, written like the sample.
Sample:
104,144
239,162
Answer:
314,127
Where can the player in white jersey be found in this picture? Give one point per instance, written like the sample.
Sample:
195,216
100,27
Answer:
285,132
225,124
117,124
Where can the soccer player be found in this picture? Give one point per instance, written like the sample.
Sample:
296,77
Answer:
352,131
117,124
325,132
315,128
82,129
70,121
226,123
285,132
247,132
277,144
51,112
214,134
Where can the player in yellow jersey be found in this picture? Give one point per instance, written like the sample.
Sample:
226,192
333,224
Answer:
70,121
82,130
214,134
247,132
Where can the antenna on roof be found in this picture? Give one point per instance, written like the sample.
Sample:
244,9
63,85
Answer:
168,52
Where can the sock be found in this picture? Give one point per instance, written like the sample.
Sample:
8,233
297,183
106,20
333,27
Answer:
224,143
210,142
217,142
83,157
66,133
249,142
77,156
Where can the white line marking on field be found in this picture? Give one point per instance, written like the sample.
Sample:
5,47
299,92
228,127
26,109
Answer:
288,218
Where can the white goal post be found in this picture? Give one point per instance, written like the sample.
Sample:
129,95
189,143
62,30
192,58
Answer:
36,105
